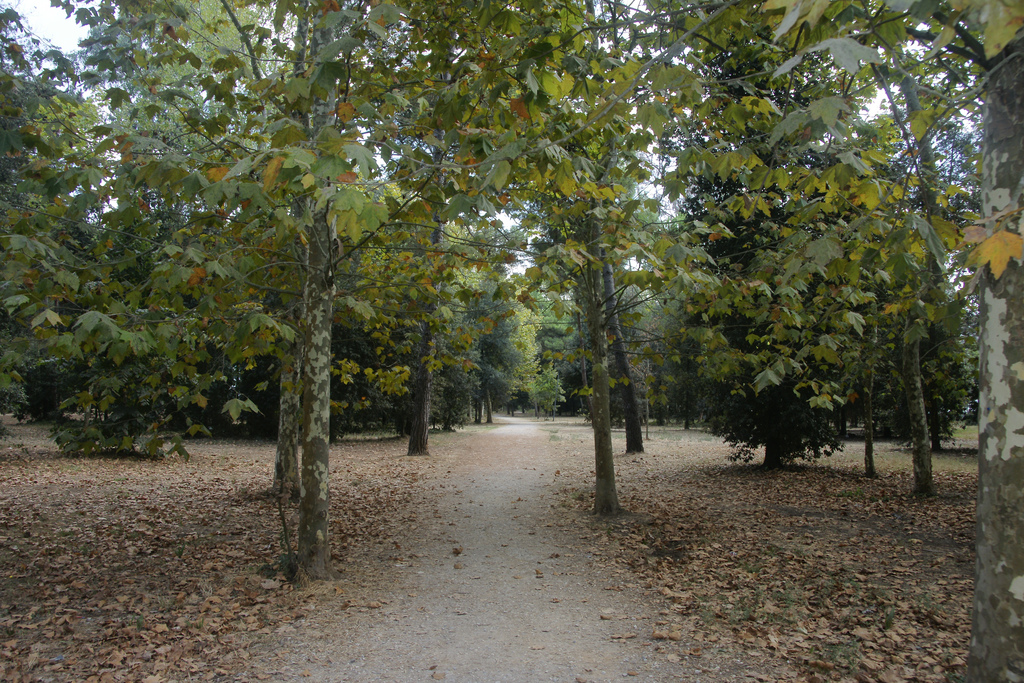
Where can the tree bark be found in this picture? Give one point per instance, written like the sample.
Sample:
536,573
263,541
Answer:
869,428
606,497
583,365
772,455
313,546
419,433
487,406
997,633
627,389
912,380
318,299
922,452
934,425
289,423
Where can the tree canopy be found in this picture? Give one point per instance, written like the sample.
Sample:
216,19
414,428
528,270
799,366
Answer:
213,186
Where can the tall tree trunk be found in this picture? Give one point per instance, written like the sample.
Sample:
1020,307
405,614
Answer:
583,365
606,497
289,423
318,301
997,632
841,428
922,452
869,428
627,389
487,406
313,546
934,424
419,432
913,382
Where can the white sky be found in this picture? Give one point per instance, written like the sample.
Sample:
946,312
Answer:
50,23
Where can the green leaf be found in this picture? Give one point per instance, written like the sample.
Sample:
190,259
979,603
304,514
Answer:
498,175
930,237
236,406
10,141
828,109
823,251
787,66
766,378
362,156
848,53
46,315
386,13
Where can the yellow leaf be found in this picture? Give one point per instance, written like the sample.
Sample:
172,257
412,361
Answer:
1000,19
345,111
997,251
270,175
197,276
975,234
520,108
217,174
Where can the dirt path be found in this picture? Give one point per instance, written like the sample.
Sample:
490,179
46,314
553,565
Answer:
491,582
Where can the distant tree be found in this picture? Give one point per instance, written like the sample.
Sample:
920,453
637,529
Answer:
546,390
779,419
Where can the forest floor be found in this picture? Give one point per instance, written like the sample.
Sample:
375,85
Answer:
482,563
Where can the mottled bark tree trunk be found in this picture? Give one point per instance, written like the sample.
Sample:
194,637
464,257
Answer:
487,407
997,633
624,381
289,425
606,497
924,485
419,433
313,547
318,299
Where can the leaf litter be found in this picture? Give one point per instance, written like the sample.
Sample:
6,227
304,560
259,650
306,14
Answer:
137,570
118,570
843,577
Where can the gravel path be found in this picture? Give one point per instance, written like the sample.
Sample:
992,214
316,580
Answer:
493,582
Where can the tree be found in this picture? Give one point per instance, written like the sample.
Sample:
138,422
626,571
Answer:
997,632
546,390
997,637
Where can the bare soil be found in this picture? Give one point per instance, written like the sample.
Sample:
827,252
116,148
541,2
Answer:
481,563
